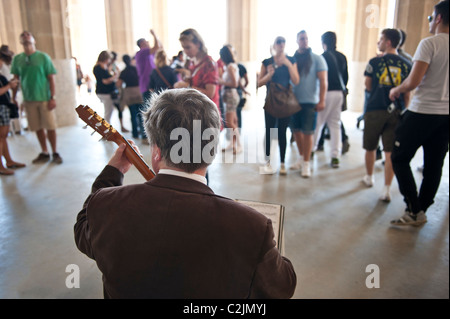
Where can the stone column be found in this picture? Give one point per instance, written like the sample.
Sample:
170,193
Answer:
119,27
242,18
242,35
159,19
411,17
359,24
46,19
10,24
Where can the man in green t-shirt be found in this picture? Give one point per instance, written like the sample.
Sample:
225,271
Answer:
36,72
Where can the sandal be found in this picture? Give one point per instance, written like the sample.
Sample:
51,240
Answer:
6,172
15,165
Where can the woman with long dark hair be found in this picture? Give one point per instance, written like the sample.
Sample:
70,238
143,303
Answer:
105,83
230,97
5,86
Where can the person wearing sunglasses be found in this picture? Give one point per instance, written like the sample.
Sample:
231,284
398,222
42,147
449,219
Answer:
36,73
426,121
281,69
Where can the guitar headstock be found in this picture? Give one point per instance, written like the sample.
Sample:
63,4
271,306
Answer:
91,118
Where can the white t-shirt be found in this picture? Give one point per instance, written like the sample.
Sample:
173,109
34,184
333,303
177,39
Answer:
431,96
227,77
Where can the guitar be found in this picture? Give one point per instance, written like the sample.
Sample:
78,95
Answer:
109,133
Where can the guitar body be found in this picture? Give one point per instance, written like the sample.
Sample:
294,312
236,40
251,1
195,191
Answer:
109,133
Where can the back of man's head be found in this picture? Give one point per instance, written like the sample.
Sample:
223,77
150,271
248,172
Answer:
329,39
185,125
393,35
442,8
140,42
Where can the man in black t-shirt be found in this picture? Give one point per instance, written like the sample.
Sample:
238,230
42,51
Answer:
381,117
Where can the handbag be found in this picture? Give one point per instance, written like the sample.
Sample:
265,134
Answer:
130,95
281,102
13,108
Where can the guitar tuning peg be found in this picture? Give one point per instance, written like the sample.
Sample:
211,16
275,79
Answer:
93,133
86,126
103,139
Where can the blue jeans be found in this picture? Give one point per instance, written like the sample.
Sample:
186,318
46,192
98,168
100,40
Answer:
135,124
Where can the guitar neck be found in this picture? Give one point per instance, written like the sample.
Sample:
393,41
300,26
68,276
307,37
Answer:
102,127
135,158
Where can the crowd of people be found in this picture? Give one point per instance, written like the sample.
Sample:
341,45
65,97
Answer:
163,95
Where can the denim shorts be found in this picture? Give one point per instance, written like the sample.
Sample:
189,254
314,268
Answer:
305,120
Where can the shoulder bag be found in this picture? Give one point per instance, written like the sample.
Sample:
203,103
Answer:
281,102
344,88
130,95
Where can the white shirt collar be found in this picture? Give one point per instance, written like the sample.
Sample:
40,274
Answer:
194,177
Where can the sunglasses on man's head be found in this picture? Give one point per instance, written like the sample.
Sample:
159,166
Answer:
280,42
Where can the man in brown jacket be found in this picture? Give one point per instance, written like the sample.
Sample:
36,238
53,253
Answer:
172,237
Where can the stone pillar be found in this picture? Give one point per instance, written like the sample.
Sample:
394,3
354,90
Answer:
242,22
46,19
10,24
359,23
119,27
411,17
159,19
242,33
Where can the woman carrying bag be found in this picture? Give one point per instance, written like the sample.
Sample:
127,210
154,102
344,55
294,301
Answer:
280,69
6,110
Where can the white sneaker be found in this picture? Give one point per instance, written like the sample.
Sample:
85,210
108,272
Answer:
267,169
410,219
306,170
369,180
385,196
283,170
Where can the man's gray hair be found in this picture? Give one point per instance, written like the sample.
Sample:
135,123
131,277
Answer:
185,125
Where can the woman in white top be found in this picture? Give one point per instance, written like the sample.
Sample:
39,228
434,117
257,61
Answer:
230,97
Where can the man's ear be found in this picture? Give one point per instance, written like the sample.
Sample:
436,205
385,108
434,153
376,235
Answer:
156,153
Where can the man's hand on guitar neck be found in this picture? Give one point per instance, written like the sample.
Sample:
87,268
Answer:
119,160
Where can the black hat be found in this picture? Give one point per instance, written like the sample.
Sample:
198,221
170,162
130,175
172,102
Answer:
4,50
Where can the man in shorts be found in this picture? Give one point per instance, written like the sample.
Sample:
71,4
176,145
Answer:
382,115
36,72
310,93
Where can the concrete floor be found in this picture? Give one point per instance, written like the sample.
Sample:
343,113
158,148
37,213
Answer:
334,226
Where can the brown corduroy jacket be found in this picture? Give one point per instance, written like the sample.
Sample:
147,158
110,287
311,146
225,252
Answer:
172,237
